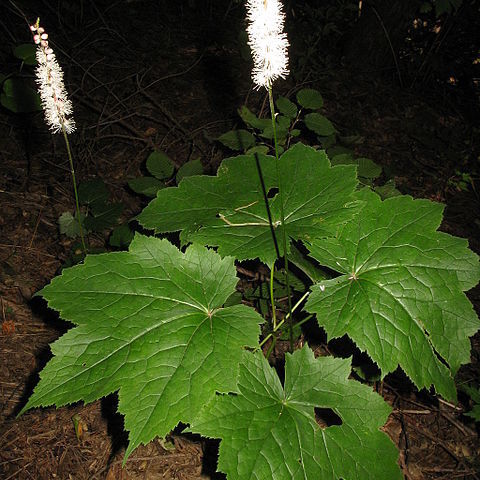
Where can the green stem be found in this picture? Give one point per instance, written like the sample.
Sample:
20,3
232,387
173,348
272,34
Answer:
287,317
74,181
271,347
282,214
272,299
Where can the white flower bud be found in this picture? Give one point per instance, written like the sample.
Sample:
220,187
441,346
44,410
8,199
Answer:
55,103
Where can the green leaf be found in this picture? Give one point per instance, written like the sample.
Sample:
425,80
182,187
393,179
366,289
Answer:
159,165
335,150
121,236
189,169
305,265
310,98
286,107
474,413
240,140
148,186
343,159
366,168
229,211
252,120
103,216
26,52
18,97
93,192
263,149
388,190
150,325
400,294
283,122
267,431
69,224
319,124
327,142
282,129
234,299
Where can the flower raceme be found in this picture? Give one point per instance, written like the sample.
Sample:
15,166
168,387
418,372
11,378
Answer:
55,103
267,41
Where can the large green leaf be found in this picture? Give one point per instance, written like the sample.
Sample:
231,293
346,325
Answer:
229,211
270,432
400,296
150,325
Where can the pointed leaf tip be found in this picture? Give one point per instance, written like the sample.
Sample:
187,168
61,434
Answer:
152,326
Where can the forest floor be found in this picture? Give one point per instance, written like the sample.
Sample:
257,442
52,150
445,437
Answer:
167,78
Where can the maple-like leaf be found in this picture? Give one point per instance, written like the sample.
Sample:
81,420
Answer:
229,210
268,431
150,325
400,294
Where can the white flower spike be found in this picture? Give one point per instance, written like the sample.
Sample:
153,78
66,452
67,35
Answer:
55,103
267,41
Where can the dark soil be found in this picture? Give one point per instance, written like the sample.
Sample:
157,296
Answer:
169,75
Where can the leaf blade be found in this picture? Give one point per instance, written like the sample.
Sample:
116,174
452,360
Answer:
400,296
271,432
229,210
151,326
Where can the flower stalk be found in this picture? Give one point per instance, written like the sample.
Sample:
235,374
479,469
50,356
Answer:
269,46
56,105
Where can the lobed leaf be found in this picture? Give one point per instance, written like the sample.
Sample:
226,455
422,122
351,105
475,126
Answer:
267,431
229,210
400,293
150,325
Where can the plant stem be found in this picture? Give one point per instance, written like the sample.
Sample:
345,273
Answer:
272,299
265,340
74,181
282,214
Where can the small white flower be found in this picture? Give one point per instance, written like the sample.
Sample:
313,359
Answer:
55,103
267,41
